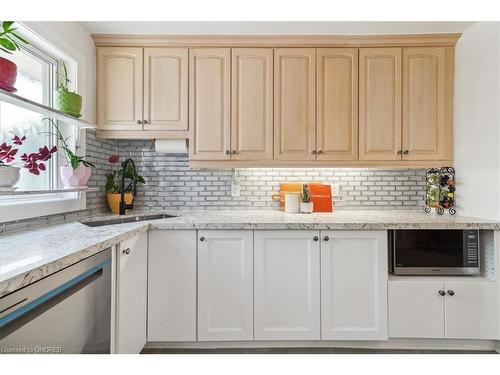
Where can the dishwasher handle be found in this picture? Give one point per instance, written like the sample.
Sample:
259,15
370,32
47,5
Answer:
31,310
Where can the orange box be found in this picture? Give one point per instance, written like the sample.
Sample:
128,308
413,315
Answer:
321,196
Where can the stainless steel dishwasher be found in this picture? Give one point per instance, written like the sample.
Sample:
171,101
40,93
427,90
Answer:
66,312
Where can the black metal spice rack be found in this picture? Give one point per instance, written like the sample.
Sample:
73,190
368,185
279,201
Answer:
440,190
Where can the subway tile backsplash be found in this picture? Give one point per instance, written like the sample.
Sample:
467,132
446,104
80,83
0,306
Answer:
171,184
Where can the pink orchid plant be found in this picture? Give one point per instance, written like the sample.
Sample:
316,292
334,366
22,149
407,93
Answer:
34,162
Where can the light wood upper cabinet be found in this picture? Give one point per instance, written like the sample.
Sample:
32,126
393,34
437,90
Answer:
252,104
427,103
379,103
337,104
119,88
209,103
294,103
165,89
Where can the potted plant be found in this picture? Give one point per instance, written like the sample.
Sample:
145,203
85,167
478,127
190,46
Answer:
77,171
9,42
34,162
68,102
306,206
113,184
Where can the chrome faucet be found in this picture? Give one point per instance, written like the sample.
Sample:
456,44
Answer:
123,206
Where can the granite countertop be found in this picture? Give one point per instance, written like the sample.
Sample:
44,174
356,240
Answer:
28,256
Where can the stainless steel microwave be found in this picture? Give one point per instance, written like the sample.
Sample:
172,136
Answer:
435,252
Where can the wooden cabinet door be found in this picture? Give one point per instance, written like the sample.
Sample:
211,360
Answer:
294,103
472,311
166,89
416,309
380,103
209,103
287,285
337,104
172,285
354,304
119,88
225,285
131,295
252,104
427,103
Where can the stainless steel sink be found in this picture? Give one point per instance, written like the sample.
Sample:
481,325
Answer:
128,219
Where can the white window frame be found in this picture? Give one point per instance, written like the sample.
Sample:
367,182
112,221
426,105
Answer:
22,207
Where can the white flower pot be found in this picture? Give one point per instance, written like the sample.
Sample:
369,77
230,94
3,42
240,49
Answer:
306,208
9,175
75,177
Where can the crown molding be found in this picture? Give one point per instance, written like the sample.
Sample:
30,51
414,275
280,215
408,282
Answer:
156,40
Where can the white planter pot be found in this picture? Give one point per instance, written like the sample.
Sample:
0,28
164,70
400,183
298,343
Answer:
306,208
9,175
75,177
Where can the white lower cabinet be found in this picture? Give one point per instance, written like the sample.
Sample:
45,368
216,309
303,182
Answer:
354,285
172,285
225,285
131,295
287,285
443,309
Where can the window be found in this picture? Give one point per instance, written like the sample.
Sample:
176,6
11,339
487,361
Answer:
36,74
37,81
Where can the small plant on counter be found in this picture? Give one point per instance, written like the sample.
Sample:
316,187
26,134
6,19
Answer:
306,206
68,102
77,170
113,183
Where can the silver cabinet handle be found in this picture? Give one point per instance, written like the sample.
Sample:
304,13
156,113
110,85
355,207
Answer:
202,238
451,293
315,238
326,238
442,293
126,251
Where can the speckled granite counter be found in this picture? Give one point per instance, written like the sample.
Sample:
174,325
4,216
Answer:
28,256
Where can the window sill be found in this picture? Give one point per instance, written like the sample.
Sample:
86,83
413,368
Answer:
43,192
14,208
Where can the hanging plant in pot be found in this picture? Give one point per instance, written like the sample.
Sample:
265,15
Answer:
10,42
68,102
113,184
33,162
76,173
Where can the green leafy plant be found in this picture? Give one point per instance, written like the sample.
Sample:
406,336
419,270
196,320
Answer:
9,39
72,159
114,179
64,84
306,196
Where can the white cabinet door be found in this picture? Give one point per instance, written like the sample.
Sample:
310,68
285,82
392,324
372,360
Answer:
416,309
225,285
131,295
172,285
354,285
472,310
287,285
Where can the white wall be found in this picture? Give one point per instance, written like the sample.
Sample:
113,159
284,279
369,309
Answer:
477,121
74,41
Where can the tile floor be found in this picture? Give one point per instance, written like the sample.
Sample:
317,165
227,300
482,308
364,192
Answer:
309,351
